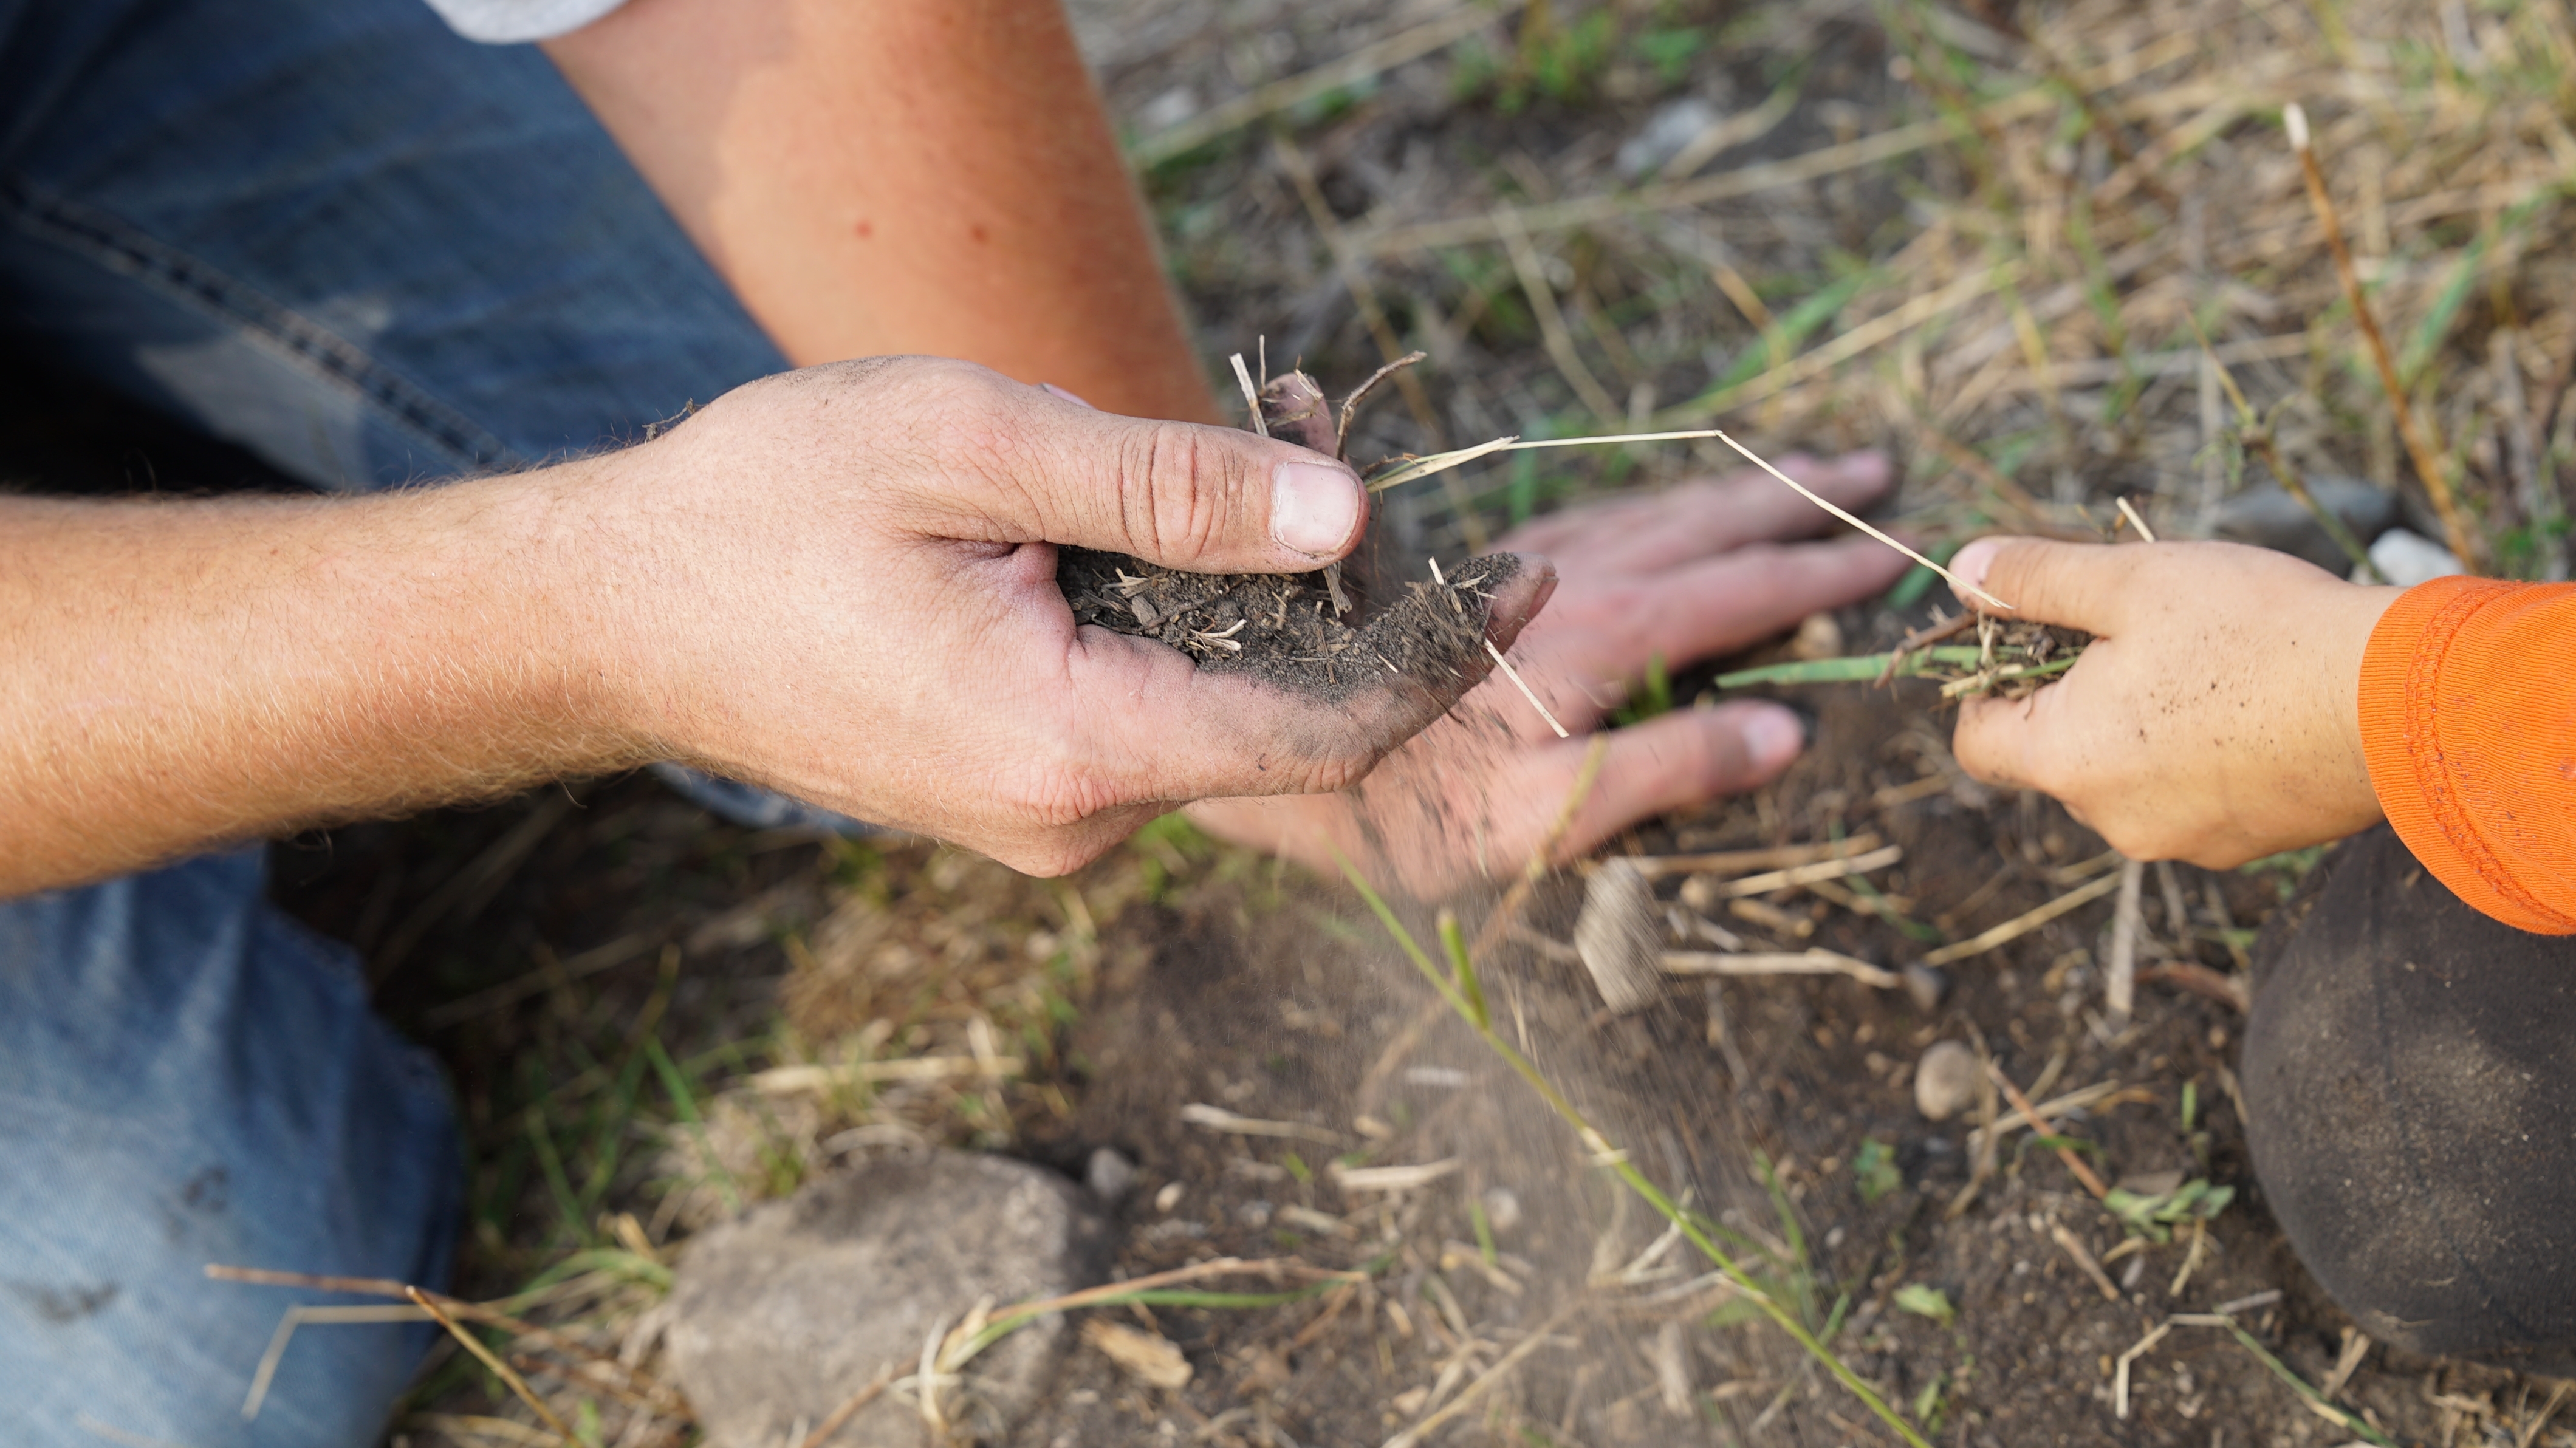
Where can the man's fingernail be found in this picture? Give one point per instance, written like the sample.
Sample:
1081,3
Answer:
1773,737
1972,561
1314,507
1067,393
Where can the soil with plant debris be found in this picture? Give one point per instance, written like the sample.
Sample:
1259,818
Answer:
1326,633
1295,1013
1283,628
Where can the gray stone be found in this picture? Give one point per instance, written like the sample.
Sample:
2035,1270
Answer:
1110,1175
2268,517
2406,559
780,1315
1675,125
1927,987
1945,1080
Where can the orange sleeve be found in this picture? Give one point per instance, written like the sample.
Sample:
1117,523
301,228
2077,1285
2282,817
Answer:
2468,718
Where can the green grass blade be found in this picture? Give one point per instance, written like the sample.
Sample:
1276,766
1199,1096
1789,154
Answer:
686,1103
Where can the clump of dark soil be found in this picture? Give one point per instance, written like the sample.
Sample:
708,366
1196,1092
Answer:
1283,627
1323,633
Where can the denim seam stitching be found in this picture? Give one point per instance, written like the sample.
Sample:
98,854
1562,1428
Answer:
323,353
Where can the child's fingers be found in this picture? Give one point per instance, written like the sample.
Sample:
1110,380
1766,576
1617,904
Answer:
1999,740
2075,585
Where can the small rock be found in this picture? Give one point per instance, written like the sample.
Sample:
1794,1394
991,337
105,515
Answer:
1926,986
1674,126
2407,559
1110,1175
1945,1080
1502,1209
2268,517
780,1315
1819,636
1167,110
1148,1357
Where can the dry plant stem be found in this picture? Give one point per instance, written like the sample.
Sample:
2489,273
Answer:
2262,446
2074,1247
1355,280
1551,322
849,1409
1526,692
1945,574
457,1306
1251,394
2021,925
2041,1124
2258,441
1485,1380
1012,1318
2428,460
2120,981
1728,862
1292,91
2145,533
502,1370
1605,1155
1351,408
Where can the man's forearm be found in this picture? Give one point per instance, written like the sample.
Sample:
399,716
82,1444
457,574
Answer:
902,176
179,674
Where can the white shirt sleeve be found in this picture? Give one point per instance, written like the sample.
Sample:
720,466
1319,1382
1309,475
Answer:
514,22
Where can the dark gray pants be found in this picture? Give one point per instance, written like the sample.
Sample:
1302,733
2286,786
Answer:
2410,1067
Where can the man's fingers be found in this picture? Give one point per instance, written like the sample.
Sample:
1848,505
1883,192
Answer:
1207,499
2084,586
1645,535
1673,762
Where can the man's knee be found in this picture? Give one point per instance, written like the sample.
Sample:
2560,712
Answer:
186,1077
2408,1071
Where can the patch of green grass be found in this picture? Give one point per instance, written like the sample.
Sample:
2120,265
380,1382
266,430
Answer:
2155,1217
1669,50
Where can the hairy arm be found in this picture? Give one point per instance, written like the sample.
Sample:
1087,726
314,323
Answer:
839,583
899,176
179,674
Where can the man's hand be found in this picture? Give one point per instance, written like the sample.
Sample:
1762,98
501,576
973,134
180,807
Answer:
2216,716
839,583
857,606
1682,575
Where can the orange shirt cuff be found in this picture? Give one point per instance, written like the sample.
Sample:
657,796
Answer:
2466,705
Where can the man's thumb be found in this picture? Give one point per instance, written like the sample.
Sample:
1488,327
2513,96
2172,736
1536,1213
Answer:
1207,499
2076,585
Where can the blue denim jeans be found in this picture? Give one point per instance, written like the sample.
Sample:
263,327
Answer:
334,233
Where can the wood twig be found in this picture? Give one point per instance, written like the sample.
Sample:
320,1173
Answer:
500,1369
839,1417
2023,924
2041,1124
2419,447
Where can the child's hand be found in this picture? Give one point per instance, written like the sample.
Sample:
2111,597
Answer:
2216,716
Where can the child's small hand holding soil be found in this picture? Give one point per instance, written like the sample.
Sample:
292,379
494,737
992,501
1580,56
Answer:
2215,716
